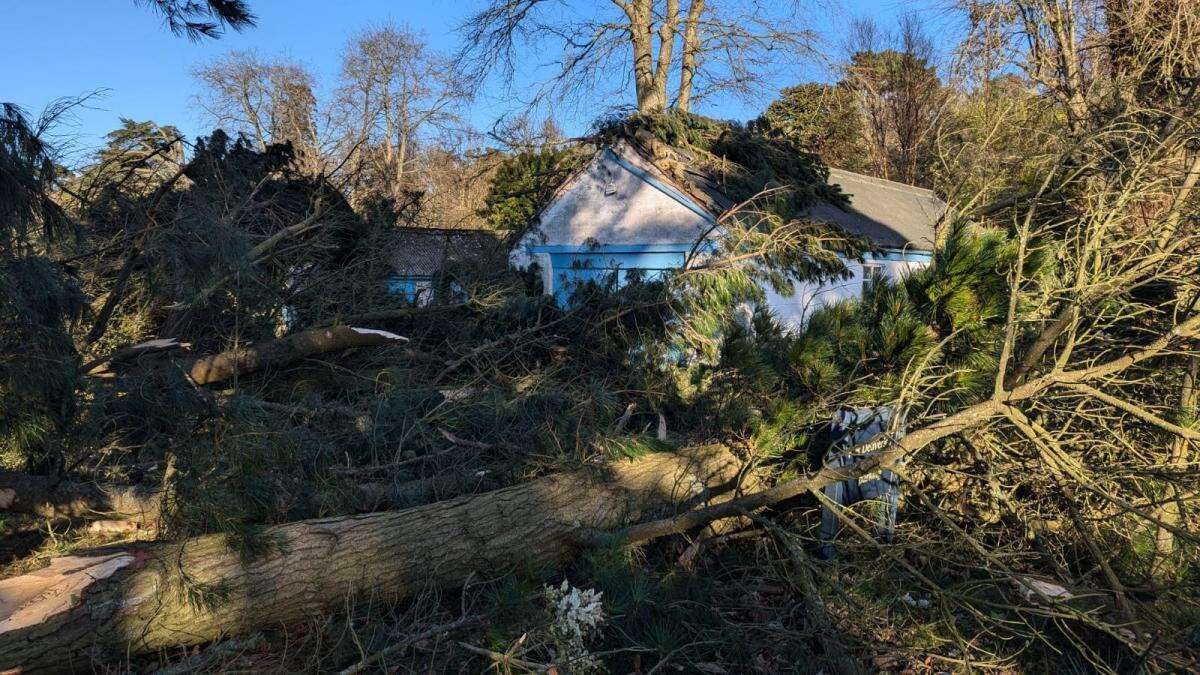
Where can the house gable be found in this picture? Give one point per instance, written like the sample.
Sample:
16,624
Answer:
618,198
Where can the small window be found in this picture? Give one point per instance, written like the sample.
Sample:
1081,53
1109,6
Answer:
872,275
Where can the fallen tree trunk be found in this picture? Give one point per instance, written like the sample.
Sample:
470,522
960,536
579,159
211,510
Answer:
153,597
243,360
53,498
904,447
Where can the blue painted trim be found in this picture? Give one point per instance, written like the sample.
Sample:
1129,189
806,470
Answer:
615,248
407,286
902,255
649,260
661,186
711,244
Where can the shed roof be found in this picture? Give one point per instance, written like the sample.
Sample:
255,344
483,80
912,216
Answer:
422,251
893,215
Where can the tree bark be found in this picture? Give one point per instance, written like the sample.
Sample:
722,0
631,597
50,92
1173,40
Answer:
905,447
691,52
138,600
49,497
666,48
1170,512
243,360
641,37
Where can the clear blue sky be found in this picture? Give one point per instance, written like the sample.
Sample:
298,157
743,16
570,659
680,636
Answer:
56,48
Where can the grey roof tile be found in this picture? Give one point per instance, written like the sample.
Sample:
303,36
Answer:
893,215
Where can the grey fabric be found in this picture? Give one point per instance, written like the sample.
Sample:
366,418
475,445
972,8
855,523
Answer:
849,429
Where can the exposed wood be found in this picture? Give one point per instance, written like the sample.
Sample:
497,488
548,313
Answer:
103,365
168,595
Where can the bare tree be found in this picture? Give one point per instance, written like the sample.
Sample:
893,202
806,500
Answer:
271,101
900,96
395,93
721,46
1051,41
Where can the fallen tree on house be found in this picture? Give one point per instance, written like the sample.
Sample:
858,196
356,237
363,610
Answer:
240,361
142,599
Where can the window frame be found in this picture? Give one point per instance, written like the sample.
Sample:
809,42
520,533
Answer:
872,274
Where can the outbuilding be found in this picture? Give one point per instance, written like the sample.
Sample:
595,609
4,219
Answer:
622,213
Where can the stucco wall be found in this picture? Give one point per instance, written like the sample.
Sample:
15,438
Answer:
793,312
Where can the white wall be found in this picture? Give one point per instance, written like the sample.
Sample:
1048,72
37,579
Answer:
793,312
607,204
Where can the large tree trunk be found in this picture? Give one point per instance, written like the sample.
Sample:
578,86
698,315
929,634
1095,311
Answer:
142,599
53,498
691,53
666,47
229,364
641,37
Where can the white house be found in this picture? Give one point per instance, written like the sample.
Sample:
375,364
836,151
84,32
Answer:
623,212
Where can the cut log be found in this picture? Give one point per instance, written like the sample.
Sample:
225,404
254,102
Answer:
147,598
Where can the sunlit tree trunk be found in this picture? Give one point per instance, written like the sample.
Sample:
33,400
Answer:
1169,511
691,51
141,600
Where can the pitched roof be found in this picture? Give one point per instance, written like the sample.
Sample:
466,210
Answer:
422,251
893,215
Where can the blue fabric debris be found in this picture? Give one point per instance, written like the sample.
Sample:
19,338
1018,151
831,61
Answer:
848,430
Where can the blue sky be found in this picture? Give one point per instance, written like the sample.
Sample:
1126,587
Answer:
59,48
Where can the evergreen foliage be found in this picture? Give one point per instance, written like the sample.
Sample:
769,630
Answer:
28,214
38,361
39,300
818,118
136,159
524,184
202,18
